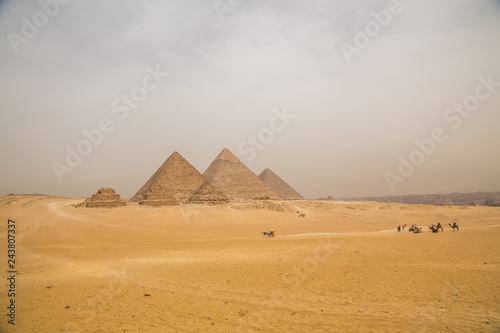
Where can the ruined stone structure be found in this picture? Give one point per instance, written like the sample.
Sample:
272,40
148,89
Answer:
104,198
234,179
279,186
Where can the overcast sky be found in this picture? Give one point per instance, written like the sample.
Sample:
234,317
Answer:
353,94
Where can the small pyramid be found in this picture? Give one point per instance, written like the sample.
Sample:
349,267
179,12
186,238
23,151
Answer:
104,198
174,182
207,193
235,180
279,186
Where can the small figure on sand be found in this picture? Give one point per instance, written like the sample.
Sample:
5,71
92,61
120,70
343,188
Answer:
271,233
455,225
435,228
399,228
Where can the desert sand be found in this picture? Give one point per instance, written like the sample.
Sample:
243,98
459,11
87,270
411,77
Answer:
196,268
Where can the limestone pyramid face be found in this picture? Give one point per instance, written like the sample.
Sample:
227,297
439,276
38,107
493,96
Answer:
279,186
158,199
174,182
234,179
105,198
208,194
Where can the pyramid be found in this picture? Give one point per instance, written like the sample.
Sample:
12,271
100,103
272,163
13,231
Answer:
158,199
207,193
279,186
174,182
235,180
105,198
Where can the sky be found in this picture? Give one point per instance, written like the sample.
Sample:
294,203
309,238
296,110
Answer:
342,98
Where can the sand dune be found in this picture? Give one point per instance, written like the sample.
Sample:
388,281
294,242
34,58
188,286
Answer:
193,268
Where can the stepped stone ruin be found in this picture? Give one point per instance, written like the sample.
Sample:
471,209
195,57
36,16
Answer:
209,194
278,185
175,181
104,198
234,179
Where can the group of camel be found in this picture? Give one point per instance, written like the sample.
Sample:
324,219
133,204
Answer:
414,229
434,228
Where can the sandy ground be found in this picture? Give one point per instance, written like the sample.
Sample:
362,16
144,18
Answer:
343,268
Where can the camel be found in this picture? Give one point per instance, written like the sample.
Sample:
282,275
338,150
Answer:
454,226
268,234
413,228
435,228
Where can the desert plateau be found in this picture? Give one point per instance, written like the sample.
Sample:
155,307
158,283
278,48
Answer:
200,268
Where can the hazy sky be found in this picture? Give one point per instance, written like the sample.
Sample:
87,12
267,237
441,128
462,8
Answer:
355,84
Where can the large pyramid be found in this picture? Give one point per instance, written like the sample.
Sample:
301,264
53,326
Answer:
234,179
174,182
279,186
153,198
208,194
